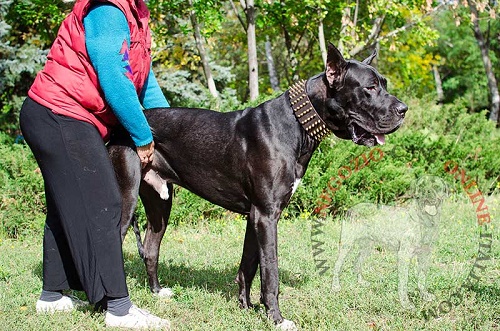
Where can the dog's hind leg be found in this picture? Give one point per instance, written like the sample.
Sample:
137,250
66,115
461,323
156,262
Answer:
248,266
404,259
344,249
137,231
128,174
346,243
158,213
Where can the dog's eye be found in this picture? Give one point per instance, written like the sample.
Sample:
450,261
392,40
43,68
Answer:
371,88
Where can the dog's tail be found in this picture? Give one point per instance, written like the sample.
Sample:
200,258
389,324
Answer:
137,231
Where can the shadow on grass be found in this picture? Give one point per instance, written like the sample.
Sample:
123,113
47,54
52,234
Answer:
487,293
214,279
38,270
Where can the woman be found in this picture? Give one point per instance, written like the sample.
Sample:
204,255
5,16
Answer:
97,75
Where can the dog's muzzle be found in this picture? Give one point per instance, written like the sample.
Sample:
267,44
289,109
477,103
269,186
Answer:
361,136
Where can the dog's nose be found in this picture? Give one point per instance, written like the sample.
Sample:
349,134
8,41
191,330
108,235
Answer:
401,109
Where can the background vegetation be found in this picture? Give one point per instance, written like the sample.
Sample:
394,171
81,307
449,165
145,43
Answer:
427,49
441,57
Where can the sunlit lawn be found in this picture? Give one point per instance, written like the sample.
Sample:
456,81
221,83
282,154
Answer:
200,264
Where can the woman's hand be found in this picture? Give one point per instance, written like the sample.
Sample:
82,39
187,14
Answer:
146,153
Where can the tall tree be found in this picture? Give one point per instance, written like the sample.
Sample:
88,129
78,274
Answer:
439,84
203,53
273,75
249,27
322,11
27,29
296,25
483,46
253,66
382,21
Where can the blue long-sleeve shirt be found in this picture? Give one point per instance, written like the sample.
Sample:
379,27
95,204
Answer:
106,29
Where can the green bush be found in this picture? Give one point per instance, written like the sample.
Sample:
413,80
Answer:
22,201
430,136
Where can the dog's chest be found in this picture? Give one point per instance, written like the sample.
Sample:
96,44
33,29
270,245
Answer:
295,184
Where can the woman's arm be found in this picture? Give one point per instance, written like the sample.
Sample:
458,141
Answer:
106,35
151,95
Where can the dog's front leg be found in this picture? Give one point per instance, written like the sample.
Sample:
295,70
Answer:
266,228
248,266
265,225
421,268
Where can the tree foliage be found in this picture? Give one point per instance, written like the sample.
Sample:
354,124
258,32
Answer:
411,36
464,79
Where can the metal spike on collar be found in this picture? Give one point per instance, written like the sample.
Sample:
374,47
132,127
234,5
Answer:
305,113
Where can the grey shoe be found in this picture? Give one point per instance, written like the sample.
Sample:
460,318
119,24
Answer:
137,319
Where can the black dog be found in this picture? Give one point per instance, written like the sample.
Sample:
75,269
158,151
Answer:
250,161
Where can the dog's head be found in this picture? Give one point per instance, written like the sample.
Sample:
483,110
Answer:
358,106
429,193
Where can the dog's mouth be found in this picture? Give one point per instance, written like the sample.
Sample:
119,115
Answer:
431,206
361,136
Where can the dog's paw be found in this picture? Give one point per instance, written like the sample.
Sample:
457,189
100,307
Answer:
164,192
336,287
363,283
408,305
287,325
165,292
426,296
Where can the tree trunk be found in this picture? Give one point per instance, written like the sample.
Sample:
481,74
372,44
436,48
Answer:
345,22
439,85
253,72
203,54
322,44
492,82
355,22
273,76
292,59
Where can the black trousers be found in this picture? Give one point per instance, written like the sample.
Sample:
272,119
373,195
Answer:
82,247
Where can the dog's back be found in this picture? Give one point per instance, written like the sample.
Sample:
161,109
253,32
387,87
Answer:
379,223
212,136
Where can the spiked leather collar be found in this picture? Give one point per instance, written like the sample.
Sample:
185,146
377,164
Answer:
305,113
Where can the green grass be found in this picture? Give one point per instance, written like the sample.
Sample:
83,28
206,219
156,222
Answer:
200,263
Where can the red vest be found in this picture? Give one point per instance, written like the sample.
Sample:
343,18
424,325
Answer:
68,84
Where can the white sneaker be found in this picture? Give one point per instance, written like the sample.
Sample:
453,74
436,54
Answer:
137,319
66,303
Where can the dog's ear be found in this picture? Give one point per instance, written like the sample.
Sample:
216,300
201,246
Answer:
369,59
335,65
